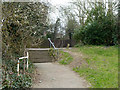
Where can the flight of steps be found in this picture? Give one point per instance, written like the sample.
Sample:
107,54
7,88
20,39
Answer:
39,55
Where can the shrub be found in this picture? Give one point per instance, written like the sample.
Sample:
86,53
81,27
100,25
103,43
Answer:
99,28
10,78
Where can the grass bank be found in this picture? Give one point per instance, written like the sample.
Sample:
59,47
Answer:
102,65
65,58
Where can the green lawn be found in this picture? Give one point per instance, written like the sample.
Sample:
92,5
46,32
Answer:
102,68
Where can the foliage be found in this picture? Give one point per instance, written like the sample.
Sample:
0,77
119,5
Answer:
57,24
10,78
53,53
23,26
54,30
23,23
71,25
79,44
102,68
100,28
65,58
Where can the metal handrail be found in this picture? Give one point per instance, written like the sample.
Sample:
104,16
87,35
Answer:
53,46
51,43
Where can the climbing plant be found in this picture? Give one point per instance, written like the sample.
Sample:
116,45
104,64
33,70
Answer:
23,25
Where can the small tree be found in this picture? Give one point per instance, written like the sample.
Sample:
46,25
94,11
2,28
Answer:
100,27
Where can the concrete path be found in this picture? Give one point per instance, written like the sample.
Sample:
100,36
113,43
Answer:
53,75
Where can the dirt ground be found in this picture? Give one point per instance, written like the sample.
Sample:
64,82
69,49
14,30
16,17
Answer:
78,59
54,75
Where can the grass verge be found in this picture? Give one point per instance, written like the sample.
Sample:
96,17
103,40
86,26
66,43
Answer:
102,69
65,58
102,65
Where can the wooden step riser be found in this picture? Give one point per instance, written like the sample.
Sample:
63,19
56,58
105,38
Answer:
39,56
41,60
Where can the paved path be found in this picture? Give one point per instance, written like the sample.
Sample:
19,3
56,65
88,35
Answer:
53,75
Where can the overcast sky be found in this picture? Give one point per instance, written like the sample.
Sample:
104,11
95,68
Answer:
55,12
59,2
56,4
